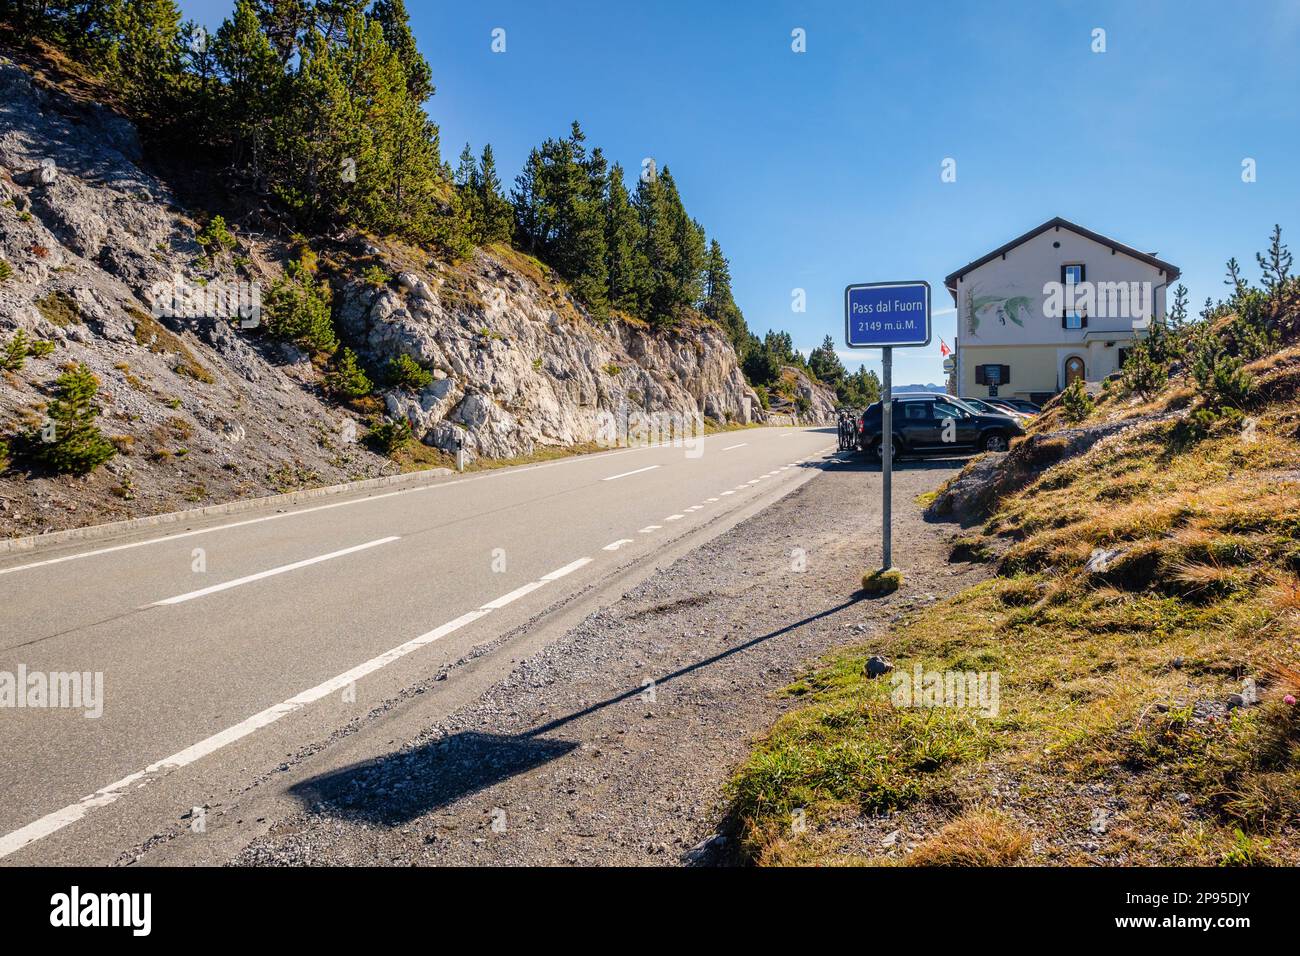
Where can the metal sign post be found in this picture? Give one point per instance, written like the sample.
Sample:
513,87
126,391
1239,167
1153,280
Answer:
885,316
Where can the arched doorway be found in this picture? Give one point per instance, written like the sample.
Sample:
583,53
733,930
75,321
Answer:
1074,370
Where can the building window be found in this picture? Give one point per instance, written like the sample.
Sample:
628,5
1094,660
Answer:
1072,274
992,374
1074,319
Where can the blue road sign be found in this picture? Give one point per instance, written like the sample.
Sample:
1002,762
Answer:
887,314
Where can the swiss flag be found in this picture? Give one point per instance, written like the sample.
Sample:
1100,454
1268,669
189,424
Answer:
944,351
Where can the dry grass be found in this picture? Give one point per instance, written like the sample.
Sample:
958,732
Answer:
977,838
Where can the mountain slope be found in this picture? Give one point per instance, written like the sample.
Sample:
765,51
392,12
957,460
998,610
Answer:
202,411
1142,624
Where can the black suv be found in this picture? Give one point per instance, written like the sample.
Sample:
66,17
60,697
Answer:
927,424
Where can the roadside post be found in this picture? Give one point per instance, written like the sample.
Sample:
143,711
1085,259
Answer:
886,316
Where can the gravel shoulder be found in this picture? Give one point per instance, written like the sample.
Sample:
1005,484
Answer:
611,746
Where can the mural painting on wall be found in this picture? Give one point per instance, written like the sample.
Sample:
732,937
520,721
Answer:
1002,308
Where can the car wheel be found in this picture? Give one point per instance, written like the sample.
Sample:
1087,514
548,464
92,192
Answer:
876,451
995,441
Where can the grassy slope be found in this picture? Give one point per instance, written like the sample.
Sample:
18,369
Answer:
1114,686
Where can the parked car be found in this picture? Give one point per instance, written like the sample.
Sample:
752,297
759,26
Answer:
994,406
922,422
1019,404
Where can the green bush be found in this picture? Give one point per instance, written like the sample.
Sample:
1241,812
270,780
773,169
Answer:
1220,379
4,454
376,276
347,379
406,372
14,353
389,436
215,239
297,308
71,441
1076,402
1142,373
6,271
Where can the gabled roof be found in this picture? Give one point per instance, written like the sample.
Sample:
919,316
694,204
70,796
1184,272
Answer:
1170,270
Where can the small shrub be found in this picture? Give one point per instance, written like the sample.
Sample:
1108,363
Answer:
346,379
375,275
13,355
215,239
6,271
297,308
1220,379
4,454
1076,403
406,372
1142,375
71,441
389,436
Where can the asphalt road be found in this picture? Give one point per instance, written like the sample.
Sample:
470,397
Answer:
227,644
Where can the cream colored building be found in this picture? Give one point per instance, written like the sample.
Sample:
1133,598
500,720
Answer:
1058,303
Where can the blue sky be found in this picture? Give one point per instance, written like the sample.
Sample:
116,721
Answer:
822,168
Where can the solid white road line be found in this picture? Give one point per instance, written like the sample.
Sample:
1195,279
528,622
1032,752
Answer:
513,596
52,822
614,546
629,473
743,444
567,569
182,598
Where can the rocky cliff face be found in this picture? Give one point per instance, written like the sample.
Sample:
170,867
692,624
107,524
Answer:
202,411
518,364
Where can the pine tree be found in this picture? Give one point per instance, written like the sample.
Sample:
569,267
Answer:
659,252
825,364
526,200
623,247
346,379
688,236
71,441
253,79
149,55
1178,312
1277,266
719,305
396,24
494,210
284,22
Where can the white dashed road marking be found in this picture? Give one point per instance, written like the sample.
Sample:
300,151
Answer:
627,474
182,598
